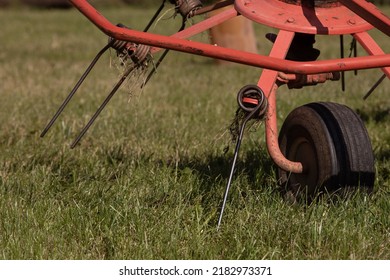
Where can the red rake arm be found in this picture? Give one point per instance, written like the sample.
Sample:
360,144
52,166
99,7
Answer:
176,43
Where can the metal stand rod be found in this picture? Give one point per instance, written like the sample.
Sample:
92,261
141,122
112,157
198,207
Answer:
355,53
74,90
342,56
248,117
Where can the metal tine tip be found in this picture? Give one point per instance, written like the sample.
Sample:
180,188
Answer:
102,106
74,90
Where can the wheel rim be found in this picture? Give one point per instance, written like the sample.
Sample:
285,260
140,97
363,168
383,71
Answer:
303,151
332,144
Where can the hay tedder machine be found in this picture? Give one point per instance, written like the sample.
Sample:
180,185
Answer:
322,146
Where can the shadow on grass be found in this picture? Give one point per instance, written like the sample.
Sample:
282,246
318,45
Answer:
252,164
377,114
252,173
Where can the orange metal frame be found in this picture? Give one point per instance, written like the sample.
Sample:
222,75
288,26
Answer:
354,17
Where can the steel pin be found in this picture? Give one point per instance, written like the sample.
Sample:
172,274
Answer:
260,108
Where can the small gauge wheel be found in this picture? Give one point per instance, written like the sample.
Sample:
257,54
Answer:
332,144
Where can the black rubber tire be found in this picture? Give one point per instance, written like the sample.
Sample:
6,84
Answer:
333,145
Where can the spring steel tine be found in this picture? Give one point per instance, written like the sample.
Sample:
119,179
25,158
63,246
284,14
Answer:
154,70
353,50
76,87
342,56
102,106
155,16
249,116
374,86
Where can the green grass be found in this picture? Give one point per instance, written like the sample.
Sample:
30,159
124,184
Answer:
148,178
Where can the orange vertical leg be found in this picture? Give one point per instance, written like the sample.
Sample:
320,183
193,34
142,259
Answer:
268,84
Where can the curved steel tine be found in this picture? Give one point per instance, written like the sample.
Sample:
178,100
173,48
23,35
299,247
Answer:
116,87
102,106
154,70
76,87
249,116
374,86
155,16
342,56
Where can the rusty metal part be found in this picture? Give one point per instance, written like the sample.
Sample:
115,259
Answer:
138,53
187,8
246,98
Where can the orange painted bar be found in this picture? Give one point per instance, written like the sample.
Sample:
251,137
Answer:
203,49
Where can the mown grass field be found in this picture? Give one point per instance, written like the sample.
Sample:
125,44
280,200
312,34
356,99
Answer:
147,180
